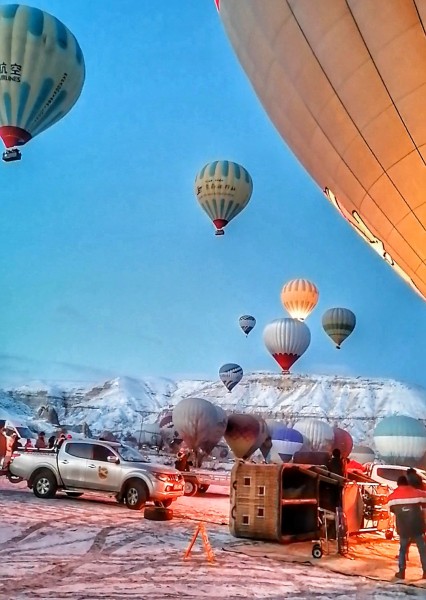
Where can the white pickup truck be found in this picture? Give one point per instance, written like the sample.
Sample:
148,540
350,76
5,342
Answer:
111,468
388,474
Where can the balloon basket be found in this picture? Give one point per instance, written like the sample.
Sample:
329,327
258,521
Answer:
11,155
219,232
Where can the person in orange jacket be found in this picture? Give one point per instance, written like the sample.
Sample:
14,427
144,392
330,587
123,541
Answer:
406,503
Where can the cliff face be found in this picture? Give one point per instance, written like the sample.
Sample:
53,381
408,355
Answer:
125,404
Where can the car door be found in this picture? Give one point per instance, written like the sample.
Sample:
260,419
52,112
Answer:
101,473
72,463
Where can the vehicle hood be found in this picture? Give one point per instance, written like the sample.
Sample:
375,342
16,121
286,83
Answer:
156,467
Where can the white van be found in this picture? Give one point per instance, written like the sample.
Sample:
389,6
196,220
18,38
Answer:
23,432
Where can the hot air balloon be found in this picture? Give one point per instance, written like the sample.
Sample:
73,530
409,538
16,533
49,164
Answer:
41,74
318,434
169,434
244,434
200,423
338,324
247,323
285,441
264,441
343,441
223,189
299,297
400,440
230,375
362,454
344,83
286,340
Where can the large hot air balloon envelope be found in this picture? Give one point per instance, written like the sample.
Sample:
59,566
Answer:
247,323
285,440
400,440
41,73
244,434
230,375
299,297
343,441
286,340
362,454
223,189
318,434
338,324
345,85
200,423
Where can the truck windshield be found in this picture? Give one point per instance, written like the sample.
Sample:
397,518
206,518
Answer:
130,454
24,432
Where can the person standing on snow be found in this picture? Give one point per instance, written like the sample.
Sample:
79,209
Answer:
406,503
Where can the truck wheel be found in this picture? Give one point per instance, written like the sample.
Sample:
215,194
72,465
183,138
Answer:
202,489
74,494
44,484
136,494
163,503
191,488
156,513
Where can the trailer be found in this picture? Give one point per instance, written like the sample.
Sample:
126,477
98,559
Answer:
198,481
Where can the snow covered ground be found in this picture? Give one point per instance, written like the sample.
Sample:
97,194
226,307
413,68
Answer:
93,548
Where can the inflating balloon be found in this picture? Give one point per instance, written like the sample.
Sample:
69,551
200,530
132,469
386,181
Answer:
330,76
223,189
338,324
401,440
230,375
299,297
318,434
287,340
200,423
244,434
285,440
343,441
247,323
41,74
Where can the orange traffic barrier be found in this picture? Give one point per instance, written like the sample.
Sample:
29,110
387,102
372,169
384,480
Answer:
201,529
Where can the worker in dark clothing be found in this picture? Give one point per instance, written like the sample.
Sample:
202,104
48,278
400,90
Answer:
336,464
414,479
406,503
182,463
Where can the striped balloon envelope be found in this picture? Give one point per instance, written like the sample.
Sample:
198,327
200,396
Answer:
230,375
247,323
223,189
299,297
338,324
42,72
286,340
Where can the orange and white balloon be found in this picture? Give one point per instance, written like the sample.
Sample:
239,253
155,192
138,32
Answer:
299,297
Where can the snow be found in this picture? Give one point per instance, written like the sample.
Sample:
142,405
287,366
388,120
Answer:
95,548
125,404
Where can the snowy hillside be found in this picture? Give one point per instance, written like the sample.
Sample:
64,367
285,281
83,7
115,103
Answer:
124,405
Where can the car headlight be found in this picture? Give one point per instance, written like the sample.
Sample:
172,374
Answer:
160,476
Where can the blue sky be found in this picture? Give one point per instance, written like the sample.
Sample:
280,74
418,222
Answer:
108,263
